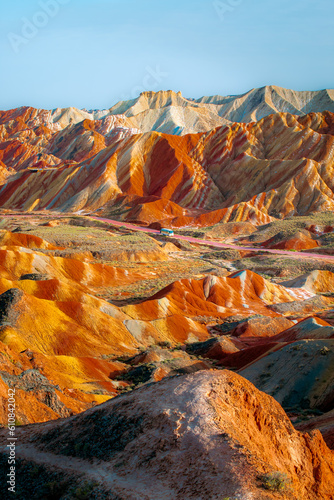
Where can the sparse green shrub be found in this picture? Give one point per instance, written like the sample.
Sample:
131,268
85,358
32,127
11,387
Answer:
198,234
85,491
178,347
275,481
121,359
122,389
139,374
165,344
297,347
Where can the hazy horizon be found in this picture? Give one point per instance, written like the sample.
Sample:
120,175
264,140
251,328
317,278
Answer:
167,90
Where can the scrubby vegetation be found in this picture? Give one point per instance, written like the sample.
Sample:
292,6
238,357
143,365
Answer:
276,481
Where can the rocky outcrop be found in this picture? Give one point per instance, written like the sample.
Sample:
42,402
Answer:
210,434
9,310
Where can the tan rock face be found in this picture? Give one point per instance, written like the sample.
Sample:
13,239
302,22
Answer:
210,434
170,112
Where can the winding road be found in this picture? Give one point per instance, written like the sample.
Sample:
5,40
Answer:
211,243
217,244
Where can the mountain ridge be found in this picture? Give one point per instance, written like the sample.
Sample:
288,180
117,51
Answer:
148,111
287,161
136,162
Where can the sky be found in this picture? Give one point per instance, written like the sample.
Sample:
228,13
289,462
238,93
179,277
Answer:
93,53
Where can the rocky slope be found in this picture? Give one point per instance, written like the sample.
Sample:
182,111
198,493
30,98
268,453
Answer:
303,373
211,434
169,112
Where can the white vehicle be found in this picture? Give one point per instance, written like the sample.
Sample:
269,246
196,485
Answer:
166,232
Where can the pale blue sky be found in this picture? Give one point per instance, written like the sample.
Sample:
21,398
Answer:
93,53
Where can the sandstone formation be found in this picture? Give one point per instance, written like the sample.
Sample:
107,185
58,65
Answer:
242,293
55,328
92,161
309,328
316,281
324,423
91,308
298,241
258,327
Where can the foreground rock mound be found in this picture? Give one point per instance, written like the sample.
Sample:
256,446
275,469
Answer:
207,435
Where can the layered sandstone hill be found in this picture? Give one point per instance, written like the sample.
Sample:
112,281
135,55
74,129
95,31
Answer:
61,341
207,435
301,240
171,113
279,166
315,281
58,338
243,292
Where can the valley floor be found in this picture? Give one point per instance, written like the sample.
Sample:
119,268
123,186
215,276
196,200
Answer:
99,318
